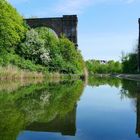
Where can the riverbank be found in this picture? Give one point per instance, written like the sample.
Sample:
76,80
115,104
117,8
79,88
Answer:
11,73
135,77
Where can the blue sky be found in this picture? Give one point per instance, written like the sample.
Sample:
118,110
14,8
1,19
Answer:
105,27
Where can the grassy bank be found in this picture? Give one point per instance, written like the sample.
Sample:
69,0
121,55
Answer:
11,72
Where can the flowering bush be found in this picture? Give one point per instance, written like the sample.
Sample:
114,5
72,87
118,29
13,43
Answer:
33,48
44,56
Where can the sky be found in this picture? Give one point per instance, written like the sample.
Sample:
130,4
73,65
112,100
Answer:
106,28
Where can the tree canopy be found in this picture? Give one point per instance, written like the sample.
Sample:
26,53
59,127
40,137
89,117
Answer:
12,27
95,66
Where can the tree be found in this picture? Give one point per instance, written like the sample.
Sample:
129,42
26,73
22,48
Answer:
12,26
72,57
33,48
129,63
95,66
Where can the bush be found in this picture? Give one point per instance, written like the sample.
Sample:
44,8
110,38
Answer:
12,27
13,59
72,57
51,44
33,49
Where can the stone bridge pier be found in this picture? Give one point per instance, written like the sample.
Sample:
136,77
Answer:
66,25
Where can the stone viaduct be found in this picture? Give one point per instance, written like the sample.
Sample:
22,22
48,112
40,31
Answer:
66,25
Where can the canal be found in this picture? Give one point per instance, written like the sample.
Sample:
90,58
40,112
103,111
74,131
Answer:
103,109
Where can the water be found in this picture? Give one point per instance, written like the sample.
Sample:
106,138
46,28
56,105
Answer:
104,109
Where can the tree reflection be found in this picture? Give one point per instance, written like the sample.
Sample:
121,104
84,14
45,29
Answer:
130,89
40,107
98,81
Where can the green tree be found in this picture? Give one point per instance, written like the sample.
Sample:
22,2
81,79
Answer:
12,26
129,63
95,66
33,48
72,57
51,43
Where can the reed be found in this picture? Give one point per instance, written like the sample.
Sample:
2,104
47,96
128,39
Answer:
11,72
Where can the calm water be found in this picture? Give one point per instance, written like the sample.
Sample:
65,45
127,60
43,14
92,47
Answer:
104,109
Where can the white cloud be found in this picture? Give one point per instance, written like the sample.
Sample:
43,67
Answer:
78,6
72,6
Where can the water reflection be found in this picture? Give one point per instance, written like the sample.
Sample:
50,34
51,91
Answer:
36,107
49,107
130,89
65,125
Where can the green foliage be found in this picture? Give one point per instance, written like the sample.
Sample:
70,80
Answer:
44,102
95,66
99,81
33,48
43,47
14,59
130,62
37,48
73,61
12,27
51,45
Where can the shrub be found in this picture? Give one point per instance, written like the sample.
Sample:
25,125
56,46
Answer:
33,48
51,44
72,57
13,59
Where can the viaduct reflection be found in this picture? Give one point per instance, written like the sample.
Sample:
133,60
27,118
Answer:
132,90
65,125
47,107
59,113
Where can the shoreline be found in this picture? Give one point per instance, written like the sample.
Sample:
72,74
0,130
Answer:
12,73
134,77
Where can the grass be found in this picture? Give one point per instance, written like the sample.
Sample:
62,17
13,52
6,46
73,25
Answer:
11,72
